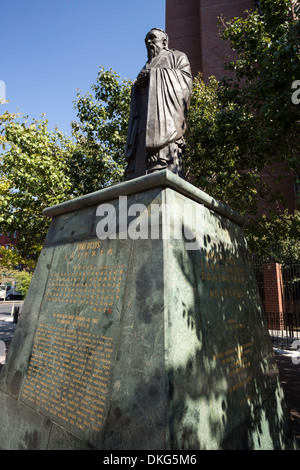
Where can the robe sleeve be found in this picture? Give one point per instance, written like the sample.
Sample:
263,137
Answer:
132,124
169,96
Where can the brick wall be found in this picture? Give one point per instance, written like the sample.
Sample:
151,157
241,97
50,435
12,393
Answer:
274,303
183,29
6,240
193,27
214,51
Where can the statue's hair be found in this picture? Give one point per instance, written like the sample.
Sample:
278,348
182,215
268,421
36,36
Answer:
161,30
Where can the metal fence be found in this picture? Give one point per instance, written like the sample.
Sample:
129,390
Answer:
284,322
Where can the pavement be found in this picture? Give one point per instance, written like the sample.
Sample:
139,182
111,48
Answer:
7,325
288,363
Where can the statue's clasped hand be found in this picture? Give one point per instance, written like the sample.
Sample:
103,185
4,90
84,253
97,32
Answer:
142,78
152,159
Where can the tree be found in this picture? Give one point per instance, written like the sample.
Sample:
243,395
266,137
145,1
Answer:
23,280
267,45
100,134
10,275
238,127
39,168
248,123
214,160
33,176
6,274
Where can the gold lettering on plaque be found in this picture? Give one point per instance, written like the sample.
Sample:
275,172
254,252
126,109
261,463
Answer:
237,360
225,274
69,370
68,374
100,285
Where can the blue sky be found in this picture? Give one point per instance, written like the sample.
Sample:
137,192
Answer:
49,49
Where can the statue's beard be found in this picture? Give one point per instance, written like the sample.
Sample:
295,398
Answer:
153,51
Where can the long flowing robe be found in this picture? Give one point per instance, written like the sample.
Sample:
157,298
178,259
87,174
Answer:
158,113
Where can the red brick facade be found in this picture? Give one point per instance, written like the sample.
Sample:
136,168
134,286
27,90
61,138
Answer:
274,303
193,27
6,240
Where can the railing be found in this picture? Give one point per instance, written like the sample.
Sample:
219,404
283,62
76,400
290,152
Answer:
284,329
278,278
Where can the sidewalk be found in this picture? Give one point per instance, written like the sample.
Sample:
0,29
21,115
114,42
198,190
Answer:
288,363
7,325
7,329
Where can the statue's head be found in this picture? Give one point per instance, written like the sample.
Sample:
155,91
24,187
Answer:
156,40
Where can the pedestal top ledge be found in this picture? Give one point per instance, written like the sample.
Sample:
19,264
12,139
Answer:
164,179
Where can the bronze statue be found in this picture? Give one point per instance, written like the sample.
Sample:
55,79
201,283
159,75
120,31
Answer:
160,100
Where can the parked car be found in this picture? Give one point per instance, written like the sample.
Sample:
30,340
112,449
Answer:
9,292
2,292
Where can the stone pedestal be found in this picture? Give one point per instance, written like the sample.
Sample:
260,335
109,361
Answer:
143,329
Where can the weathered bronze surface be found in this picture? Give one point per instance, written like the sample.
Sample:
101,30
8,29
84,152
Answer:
159,105
152,338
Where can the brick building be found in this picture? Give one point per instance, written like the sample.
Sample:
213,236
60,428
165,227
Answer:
193,27
7,241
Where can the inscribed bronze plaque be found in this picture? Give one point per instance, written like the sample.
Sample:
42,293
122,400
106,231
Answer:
69,373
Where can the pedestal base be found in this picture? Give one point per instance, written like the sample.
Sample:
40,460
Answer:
143,329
